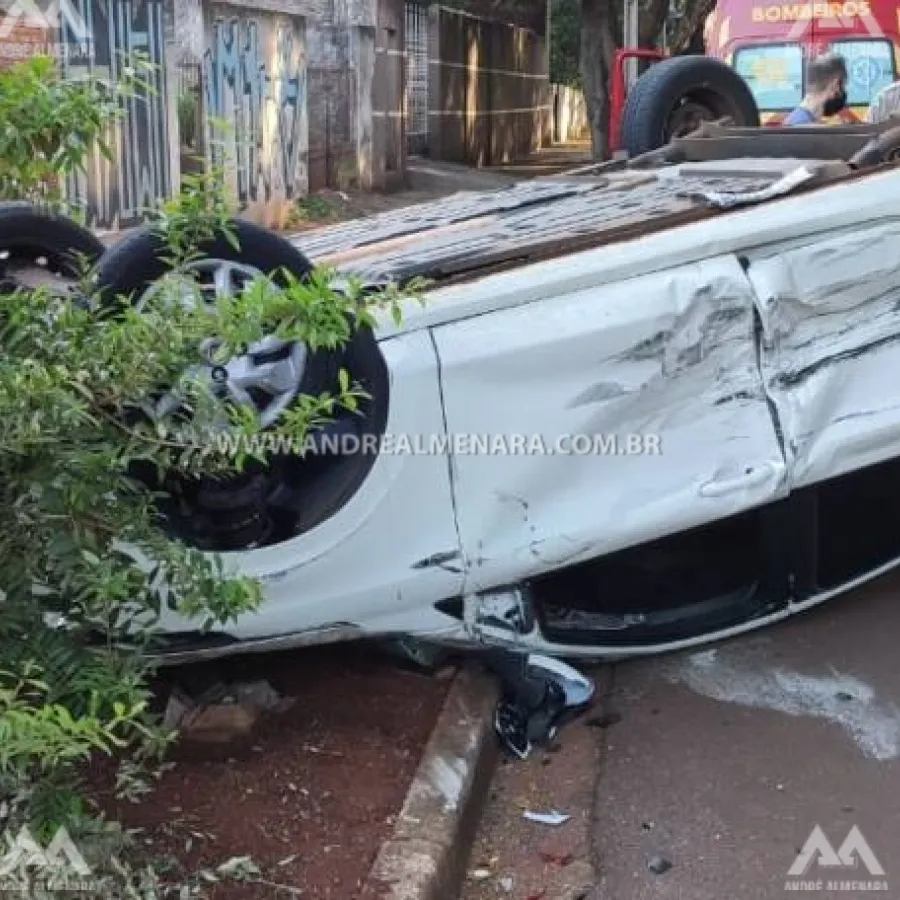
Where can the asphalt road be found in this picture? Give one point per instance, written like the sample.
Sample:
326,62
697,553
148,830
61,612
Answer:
725,760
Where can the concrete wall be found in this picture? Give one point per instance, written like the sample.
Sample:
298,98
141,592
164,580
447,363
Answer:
301,83
255,79
331,97
570,119
489,89
389,88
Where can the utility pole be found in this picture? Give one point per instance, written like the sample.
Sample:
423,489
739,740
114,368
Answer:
631,34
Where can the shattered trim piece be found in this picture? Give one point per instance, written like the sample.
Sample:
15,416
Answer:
728,200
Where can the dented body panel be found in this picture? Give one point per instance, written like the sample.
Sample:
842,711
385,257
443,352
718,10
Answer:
667,360
830,309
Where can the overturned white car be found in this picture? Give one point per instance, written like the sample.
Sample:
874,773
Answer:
642,408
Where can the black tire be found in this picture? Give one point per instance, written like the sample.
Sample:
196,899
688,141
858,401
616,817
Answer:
687,86
29,232
129,267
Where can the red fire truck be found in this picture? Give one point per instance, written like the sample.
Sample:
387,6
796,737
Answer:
753,70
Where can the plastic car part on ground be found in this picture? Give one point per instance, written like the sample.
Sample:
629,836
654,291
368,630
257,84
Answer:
539,694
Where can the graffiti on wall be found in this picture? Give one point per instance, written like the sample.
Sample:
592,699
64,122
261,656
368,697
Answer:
121,190
255,80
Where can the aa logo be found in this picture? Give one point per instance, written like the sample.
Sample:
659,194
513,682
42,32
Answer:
849,855
25,853
53,16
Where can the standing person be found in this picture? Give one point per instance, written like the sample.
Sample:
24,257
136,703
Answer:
885,104
826,91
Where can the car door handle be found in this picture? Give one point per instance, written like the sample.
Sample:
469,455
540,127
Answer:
749,479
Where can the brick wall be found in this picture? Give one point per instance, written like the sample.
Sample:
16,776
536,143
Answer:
22,42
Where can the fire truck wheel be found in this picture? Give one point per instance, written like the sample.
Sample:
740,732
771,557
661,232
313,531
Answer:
673,97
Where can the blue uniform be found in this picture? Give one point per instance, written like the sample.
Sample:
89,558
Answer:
800,116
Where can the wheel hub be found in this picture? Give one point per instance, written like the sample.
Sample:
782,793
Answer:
687,118
266,377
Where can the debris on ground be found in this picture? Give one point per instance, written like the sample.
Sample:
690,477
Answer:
604,720
532,859
223,714
557,859
658,865
547,818
332,717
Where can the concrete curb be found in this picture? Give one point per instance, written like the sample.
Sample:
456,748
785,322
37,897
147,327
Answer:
430,175
425,858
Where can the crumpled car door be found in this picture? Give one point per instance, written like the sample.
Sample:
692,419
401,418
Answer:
646,396
830,350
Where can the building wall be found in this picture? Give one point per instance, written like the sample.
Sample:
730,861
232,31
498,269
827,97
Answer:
311,91
488,89
23,41
255,80
314,103
389,90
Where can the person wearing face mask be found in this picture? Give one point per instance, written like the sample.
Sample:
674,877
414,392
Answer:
826,91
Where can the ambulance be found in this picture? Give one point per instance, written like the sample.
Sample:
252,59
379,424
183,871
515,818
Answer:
767,43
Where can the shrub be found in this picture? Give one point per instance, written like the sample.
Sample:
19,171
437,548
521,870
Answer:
85,569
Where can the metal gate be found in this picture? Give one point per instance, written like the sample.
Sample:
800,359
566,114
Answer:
417,77
119,192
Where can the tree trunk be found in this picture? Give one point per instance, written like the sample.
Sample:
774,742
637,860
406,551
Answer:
597,49
690,24
653,17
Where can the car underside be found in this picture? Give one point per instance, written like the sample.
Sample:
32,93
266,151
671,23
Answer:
714,324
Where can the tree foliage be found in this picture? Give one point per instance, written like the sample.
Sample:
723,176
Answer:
565,27
50,124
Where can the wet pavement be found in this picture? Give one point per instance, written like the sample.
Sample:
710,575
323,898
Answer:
726,759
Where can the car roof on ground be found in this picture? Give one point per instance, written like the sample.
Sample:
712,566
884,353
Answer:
704,174
469,233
